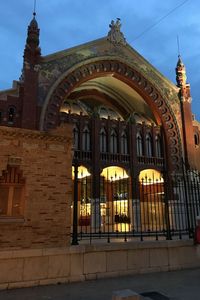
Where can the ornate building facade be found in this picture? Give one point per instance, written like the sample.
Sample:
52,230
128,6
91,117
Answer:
99,124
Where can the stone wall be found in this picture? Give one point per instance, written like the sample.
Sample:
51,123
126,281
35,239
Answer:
84,262
45,160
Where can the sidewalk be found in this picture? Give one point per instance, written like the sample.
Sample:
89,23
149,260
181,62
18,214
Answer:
176,285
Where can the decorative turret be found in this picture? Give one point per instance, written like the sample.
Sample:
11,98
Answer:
32,50
30,74
186,114
181,77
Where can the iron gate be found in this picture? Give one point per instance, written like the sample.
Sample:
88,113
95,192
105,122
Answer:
129,208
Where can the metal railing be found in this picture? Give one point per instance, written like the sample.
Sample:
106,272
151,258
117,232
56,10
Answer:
129,208
159,161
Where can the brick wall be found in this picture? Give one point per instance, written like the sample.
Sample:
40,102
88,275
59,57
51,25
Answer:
45,160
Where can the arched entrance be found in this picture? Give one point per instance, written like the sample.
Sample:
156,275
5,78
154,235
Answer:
152,201
162,112
110,214
119,119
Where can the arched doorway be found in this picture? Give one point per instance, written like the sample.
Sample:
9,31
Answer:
152,201
115,188
84,195
108,214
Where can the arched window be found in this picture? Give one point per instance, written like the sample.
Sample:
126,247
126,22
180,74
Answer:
148,145
86,139
139,144
103,140
196,139
124,143
158,147
76,137
11,114
113,141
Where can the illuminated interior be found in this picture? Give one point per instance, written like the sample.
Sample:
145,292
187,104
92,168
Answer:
123,95
114,173
150,176
108,96
152,203
111,210
82,172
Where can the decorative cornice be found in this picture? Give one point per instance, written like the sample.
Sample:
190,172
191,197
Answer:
34,135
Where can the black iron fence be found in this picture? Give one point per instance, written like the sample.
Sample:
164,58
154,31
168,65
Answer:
149,207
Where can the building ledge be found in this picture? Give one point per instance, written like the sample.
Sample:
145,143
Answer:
11,220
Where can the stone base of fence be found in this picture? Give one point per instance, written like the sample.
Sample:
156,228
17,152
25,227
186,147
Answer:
23,268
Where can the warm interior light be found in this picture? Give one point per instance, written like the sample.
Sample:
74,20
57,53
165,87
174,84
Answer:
64,110
150,176
114,173
82,172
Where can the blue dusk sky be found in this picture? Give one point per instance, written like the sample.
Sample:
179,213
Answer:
67,23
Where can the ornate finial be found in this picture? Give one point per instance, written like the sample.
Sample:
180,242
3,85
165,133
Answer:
34,9
115,36
178,45
180,73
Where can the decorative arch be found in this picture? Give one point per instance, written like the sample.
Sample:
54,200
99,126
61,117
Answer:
134,79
